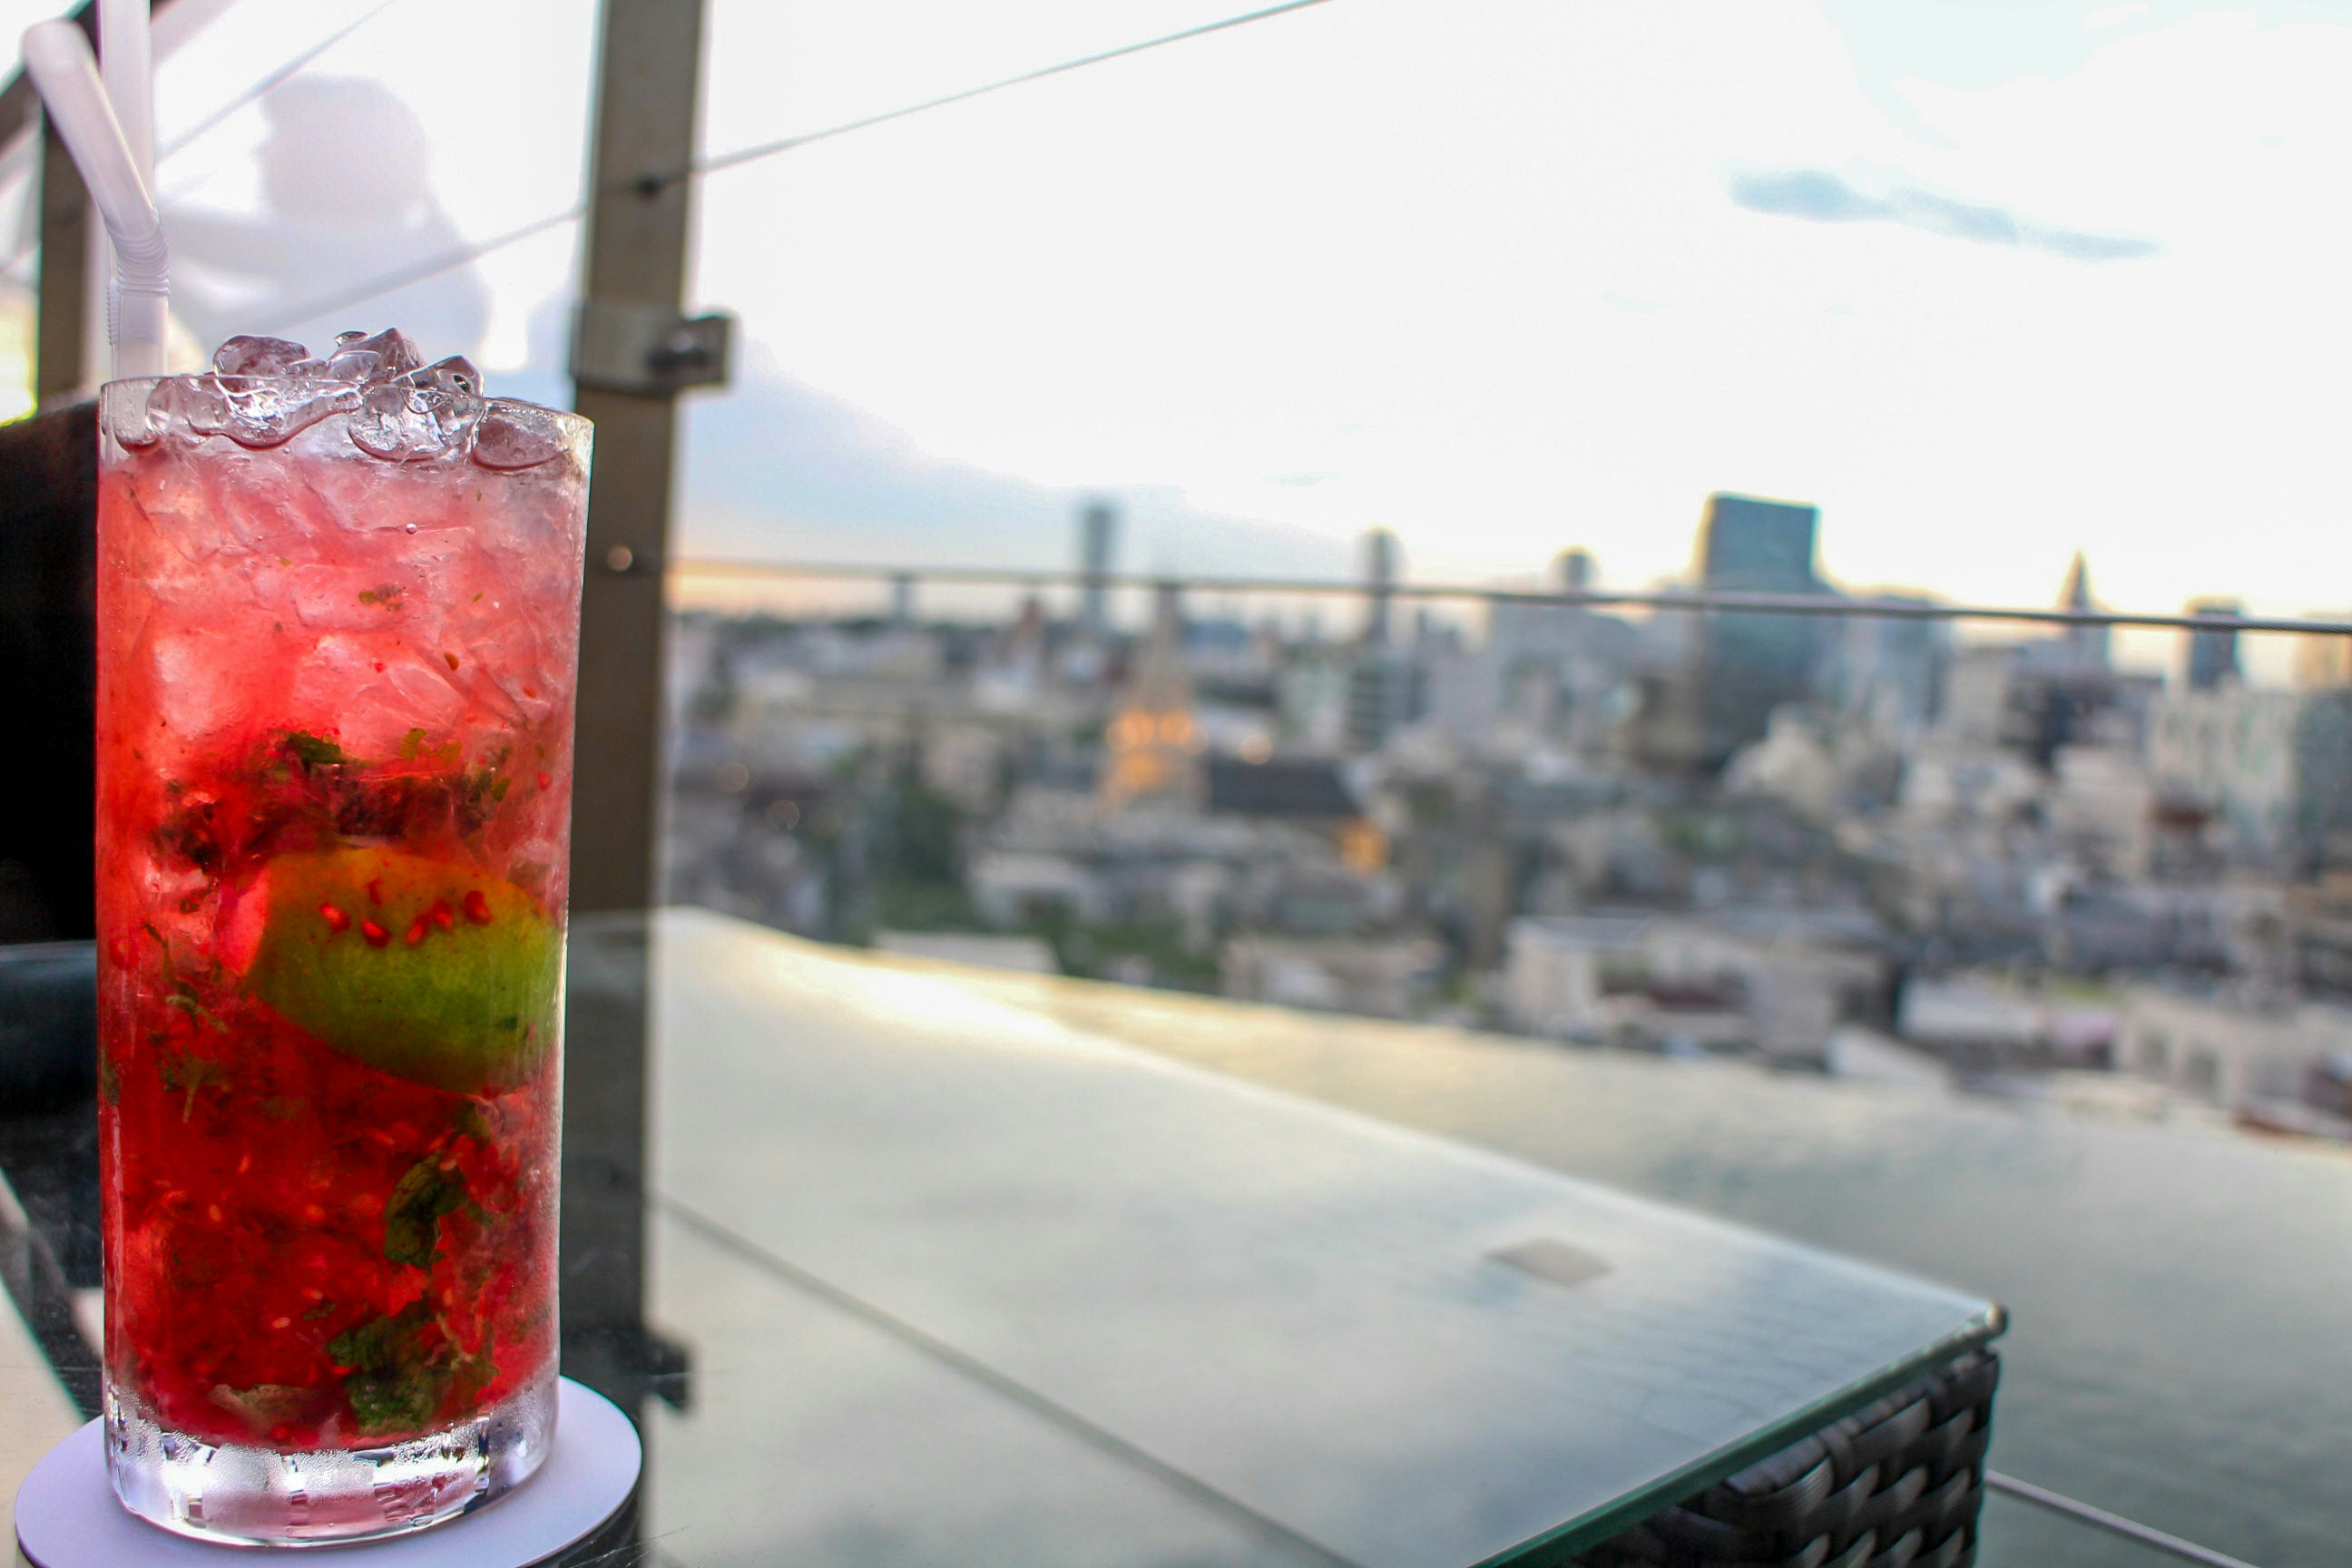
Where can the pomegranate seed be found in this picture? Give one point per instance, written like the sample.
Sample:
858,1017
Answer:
280,1322
337,921
375,890
376,935
441,914
547,780
212,1213
417,931
477,907
451,658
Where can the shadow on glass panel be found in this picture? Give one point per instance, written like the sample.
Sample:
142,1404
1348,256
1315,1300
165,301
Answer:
346,194
606,1343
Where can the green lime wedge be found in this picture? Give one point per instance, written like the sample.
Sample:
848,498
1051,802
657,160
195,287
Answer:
411,966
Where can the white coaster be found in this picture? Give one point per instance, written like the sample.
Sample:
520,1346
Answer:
68,1517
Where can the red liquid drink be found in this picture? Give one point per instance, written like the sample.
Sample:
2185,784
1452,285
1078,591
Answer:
337,631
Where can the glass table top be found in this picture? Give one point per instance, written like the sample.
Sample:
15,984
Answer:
896,1267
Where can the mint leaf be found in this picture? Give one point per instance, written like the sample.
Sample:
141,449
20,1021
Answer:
188,1075
401,1370
383,1344
412,1219
397,1401
481,790
183,998
469,1375
188,833
314,750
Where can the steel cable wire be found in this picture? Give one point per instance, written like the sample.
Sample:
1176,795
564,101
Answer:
654,183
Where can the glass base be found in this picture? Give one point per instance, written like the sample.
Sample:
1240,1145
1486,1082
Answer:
249,1495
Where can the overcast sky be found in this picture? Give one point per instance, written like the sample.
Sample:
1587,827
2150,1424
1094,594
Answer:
1988,282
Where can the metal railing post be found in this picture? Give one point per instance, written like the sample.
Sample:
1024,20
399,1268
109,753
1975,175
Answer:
648,81
637,234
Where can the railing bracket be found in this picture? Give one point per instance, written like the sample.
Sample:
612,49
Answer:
649,352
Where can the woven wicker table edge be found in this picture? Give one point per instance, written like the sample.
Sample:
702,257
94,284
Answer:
1896,1482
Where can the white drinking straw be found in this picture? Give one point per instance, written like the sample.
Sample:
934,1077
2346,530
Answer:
57,59
126,47
126,65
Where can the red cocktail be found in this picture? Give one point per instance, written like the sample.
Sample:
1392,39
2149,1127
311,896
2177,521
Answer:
338,630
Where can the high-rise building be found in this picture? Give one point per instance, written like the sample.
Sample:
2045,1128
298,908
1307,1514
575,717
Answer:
2274,767
1546,671
1154,740
2323,660
1380,584
1384,694
1890,669
1578,571
2213,655
2085,645
1098,545
1748,665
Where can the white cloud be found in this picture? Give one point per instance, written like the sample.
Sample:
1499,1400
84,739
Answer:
1382,244
1399,244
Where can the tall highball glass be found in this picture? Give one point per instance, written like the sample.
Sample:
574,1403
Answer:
339,611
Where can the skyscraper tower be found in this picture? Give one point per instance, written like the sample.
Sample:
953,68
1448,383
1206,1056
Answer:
2086,645
1750,664
1098,544
1578,571
1380,584
2213,655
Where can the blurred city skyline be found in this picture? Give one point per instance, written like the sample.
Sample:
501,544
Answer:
1988,289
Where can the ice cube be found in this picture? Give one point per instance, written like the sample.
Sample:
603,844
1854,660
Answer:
127,417
516,436
258,356
384,425
456,375
188,407
378,695
402,422
395,353
354,367
184,662
272,410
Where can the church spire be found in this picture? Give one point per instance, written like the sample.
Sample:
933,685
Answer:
1154,742
2086,645
2076,593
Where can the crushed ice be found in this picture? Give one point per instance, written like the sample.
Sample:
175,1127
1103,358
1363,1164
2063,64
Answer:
263,392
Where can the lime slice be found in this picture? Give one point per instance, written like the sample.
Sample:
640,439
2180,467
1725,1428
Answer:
411,966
